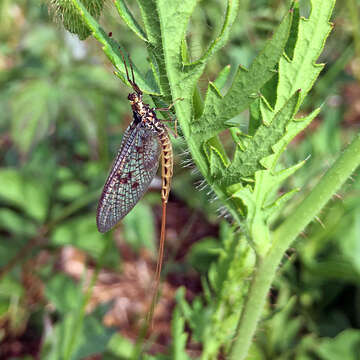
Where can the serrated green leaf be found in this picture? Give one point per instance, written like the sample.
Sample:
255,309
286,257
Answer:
219,109
256,200
214,324
174,17
246,162
268,95
292,129
216,162
255,116
221,39
291,43
218,159
150,17
179,337
222,77
274,209
129,19
302,70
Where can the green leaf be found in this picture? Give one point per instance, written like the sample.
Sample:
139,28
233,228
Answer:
129,19
71,190
28,193
346,345
16,223
33,110
64,293
292,129
120,346
179,337
291,43
220,40
150,17
203,253
219,109
139,228
182,76
302,70
111,49
80,232
10,287
95,335
222,78
247,161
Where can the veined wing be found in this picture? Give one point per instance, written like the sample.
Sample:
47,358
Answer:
132,171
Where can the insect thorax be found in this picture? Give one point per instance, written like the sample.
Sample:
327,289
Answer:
145,114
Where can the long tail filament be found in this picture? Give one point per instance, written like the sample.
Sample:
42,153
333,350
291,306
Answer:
158,266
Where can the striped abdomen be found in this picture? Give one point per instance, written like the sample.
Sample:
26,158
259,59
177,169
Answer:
167,162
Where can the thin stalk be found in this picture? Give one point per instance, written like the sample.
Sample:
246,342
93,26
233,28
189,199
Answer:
283,236
81,314
354,17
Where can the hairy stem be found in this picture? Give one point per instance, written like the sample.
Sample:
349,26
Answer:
283,236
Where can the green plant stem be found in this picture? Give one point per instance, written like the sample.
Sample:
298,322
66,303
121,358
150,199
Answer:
86,298
354,17
283,236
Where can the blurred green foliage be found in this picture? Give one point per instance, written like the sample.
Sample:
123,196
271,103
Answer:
61,114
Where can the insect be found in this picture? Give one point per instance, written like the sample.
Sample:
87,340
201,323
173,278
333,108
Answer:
145,140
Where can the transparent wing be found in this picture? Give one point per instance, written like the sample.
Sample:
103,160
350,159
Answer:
132,171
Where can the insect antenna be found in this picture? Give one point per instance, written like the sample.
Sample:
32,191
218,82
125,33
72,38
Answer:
132,70
132,82
126,69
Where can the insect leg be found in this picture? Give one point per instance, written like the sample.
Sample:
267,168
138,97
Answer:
169,107
173,132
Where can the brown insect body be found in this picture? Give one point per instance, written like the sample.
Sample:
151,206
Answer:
145,139
148,117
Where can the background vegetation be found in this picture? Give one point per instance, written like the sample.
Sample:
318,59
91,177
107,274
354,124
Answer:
62,112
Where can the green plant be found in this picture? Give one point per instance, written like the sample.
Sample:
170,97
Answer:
247,182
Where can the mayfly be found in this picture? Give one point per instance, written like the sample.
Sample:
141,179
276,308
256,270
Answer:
145,140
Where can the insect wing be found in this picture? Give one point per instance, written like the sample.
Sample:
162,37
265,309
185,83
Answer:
132,171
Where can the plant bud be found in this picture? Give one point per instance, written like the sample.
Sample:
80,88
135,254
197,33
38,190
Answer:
66,12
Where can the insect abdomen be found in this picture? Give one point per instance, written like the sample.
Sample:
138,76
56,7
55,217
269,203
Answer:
166,165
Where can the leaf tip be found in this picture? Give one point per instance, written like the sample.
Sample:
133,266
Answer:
307,158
